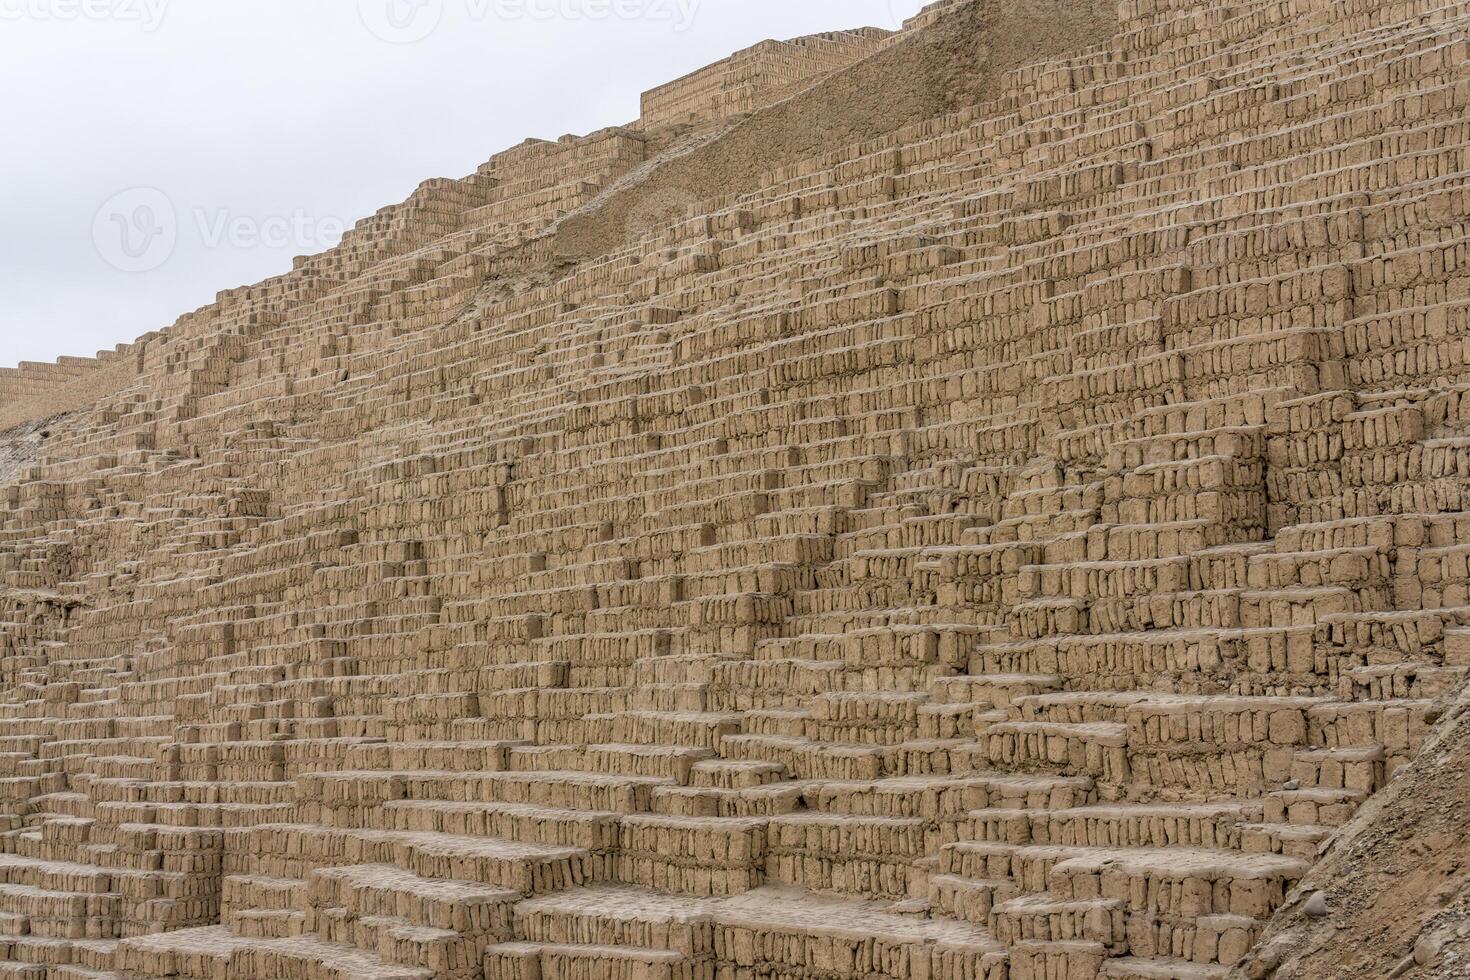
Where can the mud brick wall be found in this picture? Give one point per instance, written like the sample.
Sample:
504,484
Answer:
1012,546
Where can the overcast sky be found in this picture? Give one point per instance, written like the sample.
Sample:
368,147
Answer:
154,152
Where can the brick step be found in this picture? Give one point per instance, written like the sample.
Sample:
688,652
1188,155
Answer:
399,942
553,788
1362,768
280,850
56,954
662,761
23,971
850,854
387,890
745,685
946,797
1229,441
1083,707
1140,968
1303,841
184,815
80,973
608,915
1041,526
1407,681
730,774
201,954
593,830
1222,939
698,729
697,855
1200,825
784,925
54,875
1041,918
531,961
258,891
837,621
199,793
1313,806
251,923
1042,960
702,801
62,914
996,689
466,757
969,899
1098,749
1109,661
1178,880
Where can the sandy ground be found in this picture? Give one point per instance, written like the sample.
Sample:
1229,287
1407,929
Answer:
1397,880
19,445
953,64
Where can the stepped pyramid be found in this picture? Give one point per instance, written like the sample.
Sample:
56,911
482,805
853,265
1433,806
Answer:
998,525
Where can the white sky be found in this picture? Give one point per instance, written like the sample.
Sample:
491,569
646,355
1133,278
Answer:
268,125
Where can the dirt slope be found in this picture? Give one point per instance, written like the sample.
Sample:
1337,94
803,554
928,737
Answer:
952,64
1396,882
18,446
